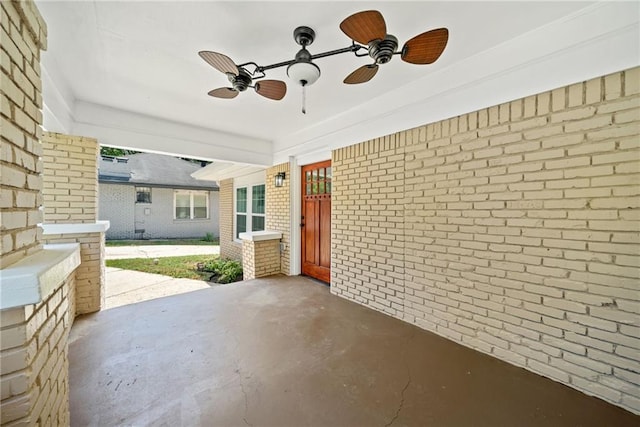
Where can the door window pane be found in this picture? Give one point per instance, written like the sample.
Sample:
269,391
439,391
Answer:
182,206
315,175
329,172
321,174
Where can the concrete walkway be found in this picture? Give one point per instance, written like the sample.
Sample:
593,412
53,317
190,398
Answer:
125,287
284,351
159,251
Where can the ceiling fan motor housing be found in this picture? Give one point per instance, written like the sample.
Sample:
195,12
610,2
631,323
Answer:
240,82
382,50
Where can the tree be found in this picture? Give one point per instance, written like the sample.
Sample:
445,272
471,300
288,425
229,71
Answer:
119,152
115,152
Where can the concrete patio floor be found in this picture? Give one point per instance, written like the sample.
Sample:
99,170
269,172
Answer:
283,351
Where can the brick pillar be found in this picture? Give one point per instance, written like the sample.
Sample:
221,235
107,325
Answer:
229,248
33,349
20,125
260,254
70,195
35,365
70,188
248,260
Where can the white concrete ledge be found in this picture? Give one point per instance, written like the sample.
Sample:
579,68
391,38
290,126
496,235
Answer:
33,278
256,236
76,228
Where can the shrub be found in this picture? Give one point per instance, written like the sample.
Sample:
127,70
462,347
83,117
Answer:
208,237
224,271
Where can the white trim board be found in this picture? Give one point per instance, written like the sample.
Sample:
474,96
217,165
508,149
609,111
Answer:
32,279
76,228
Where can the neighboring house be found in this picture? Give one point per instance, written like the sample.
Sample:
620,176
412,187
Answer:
152,196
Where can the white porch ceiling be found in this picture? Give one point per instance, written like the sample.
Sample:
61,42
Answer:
222,170
128,73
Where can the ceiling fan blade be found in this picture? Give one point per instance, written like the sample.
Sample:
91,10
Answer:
425,48
223,92
272,89
362,74
364,27
220,62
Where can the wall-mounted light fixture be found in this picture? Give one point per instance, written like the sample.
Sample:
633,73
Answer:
280,176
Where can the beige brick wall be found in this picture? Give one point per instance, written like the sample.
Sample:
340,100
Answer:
34,352
512,230
229,248
367,226
278,211
70,188
23,37
260,258
90,275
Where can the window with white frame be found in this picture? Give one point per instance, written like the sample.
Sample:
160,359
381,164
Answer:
250,209
190,204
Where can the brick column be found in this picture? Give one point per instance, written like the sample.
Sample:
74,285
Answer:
70,195
33,348
70,188
260,254
229,248
35,367
20,122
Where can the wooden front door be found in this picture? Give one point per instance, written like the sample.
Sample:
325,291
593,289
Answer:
316,221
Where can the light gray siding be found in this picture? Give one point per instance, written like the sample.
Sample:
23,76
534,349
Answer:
117,204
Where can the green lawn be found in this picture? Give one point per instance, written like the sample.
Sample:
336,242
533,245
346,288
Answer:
178,267
160,242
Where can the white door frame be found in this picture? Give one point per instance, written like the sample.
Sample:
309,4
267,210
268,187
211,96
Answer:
295,167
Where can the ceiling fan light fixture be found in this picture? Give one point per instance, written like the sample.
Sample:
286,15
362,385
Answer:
303,73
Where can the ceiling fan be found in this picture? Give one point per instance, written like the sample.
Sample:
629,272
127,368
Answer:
367,30
241,79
